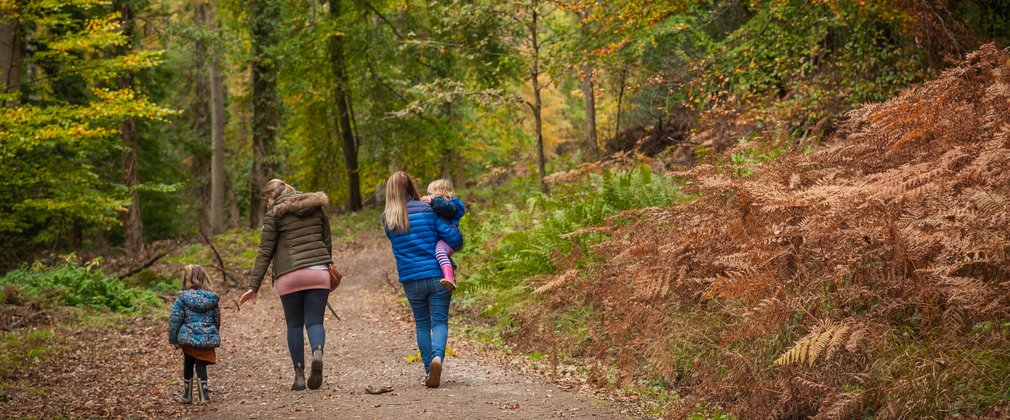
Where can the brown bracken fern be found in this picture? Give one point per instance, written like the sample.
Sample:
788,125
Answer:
896,230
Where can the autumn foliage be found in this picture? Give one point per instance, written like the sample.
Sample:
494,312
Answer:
868,277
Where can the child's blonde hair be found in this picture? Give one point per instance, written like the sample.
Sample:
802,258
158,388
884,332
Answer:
441,188
195,278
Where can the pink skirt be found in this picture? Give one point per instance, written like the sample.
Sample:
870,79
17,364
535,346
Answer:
303,279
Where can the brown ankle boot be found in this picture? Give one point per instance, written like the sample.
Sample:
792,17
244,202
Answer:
299,384
316,374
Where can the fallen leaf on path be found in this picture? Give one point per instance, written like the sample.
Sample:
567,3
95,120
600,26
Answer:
378,390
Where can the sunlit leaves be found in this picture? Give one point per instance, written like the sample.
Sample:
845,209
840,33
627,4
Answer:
60,135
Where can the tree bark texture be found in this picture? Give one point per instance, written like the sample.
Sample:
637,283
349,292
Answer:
537,101
591,148
10,57
199,114
133,226
620,101
265,14
342,98
217,122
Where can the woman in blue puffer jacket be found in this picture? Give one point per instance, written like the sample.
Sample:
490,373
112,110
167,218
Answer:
413,230
194,326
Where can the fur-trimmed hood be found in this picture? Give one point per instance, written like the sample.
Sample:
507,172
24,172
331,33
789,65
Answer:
299,204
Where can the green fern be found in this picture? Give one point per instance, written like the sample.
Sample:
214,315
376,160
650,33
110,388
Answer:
526,236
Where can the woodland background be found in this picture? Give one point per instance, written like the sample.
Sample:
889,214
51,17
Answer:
718,158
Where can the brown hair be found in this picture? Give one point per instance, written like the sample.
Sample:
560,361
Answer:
399,189
441,188
275,188
194,278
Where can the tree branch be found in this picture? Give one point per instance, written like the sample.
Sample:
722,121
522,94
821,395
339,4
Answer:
383,18
220,261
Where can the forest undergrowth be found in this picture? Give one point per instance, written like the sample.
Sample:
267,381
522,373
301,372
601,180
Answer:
868,277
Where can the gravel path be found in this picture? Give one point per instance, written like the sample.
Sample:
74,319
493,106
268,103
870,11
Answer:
369,347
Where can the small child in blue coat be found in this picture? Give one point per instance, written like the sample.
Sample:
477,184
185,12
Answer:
194,326
446,205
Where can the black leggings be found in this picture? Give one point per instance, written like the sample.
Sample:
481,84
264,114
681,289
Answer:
303,311
189,362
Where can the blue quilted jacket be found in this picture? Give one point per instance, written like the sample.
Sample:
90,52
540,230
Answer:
195,320
452,210
415,250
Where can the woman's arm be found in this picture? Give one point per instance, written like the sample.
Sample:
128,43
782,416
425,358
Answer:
268,244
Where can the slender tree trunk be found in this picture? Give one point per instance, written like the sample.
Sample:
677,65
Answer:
342,97
537,101
10,57
217,122
620,100
133,226
591,148
199,111
264,15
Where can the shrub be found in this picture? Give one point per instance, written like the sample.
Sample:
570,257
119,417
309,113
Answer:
528,239
73,285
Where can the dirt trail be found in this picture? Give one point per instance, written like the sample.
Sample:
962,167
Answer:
368,347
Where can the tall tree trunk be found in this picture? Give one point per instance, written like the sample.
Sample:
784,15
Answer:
10,56
264,15
133,226
620,100
591,148
342,97
217,122
199,113
537,105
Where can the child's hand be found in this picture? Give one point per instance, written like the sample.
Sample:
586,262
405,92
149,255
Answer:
426,199
248,295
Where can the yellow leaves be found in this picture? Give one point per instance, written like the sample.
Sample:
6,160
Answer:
416,357
820,344
98,33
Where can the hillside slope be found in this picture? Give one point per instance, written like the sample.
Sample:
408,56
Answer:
870,276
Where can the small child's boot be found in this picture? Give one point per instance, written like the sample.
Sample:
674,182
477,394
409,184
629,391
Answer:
204,392
448,279
187,391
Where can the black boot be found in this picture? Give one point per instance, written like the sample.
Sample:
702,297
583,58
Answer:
299,384
187,391
316,374
204,392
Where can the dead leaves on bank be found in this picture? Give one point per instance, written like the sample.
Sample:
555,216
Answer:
894,234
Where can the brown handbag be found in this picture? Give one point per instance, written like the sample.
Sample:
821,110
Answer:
335,277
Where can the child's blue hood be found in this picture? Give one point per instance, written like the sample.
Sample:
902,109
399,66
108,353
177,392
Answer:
199,300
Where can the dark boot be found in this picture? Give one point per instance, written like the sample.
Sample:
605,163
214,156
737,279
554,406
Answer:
204,392
299,384
316,374
187,391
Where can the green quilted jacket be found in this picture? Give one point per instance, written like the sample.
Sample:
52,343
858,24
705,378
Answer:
296,235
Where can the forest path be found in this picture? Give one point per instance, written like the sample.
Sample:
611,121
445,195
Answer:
368,347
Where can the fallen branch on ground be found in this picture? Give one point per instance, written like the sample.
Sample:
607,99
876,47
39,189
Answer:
150,261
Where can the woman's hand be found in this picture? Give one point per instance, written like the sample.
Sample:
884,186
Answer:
247,296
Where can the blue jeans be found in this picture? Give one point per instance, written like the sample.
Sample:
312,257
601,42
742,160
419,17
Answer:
304,310
430,303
